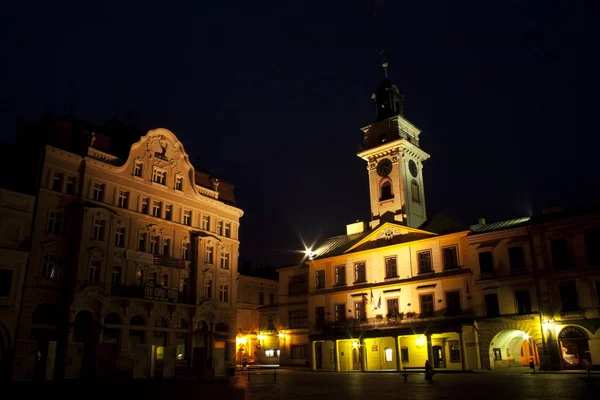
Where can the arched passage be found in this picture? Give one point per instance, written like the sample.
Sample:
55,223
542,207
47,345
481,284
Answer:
85,330
574,347
513,348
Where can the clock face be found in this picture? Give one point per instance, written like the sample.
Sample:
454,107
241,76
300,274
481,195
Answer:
412,167
384,167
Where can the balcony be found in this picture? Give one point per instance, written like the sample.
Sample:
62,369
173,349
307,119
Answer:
151,292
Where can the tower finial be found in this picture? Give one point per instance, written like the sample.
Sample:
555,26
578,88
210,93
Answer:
384,62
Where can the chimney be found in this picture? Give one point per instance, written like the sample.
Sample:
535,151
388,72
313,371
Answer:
481,220
356,227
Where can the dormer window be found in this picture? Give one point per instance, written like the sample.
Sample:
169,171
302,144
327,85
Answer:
179,183
159,176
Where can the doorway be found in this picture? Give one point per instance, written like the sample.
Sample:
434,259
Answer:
319,355
438,357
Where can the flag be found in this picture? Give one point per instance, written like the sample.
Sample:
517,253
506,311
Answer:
379,302
372,299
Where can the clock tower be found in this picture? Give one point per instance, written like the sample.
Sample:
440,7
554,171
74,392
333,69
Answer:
394,160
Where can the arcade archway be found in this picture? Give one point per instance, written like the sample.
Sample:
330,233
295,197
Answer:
513,348
574,348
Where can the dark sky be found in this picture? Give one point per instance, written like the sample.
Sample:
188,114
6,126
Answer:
270,95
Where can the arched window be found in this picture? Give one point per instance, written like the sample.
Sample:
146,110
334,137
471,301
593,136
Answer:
386,190
112,318
137,321
414,189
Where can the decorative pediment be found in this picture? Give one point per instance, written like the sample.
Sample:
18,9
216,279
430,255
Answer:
389,233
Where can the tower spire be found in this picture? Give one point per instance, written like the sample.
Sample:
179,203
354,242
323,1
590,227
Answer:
384,62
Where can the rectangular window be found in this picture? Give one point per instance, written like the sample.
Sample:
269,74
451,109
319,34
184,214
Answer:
453,302
94,272
50,267
57,181
224,293
454,351
592,244
139,277
270,323
360,273
492,307
319,316
392,308
187,217
523,301
340,275
224,260
271,298
185,251
169,212
298,319
298,284
220,228
299,351
450,257
166,247
359,311
561,256
516,258
145,205
426,304
209,256
208,289
320,279
391,268
497,354
206,222
5,282
123,200
159,176
227,232
389,354
98,232
154,239
568,297
404,354
142,241
56,222
116,276
99,192
261,298
156,209
120,237
340,312
486,262
424,258
70,189
179,183
137,169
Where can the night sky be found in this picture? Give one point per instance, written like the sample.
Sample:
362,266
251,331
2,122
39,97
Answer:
271,96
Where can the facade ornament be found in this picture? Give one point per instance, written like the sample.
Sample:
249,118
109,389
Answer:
92,139
215,183
389,233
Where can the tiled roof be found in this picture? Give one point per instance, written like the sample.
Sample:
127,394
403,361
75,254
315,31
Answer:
441,224
336,245
497,226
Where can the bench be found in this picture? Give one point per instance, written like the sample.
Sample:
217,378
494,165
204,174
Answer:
417,370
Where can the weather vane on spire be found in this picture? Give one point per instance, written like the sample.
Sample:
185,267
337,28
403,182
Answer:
384,62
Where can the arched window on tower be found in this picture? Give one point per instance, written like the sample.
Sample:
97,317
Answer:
386,190
414,189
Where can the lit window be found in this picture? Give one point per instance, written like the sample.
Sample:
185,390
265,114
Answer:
388,355
159,176
50,267
137,169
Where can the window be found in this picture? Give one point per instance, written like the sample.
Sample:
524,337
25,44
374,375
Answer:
568,297
123,200
450,257
169,212
120,237
94,271
159,176
179,183
516,258
139,277
99,225
5,282
185,251
359,311
523,301
298,284
142,241
340,312
426,304
152,278
187,217
56,220
261,298
340,275
209,256
270,323
592,244
360,274
220,228
224,260
224,293
414,191
205,222
486,262
319,316
99,191
227,229
145,205
386,191
156,209
299,351
424,258
392,308
561,256
388,354
208,289
154,244
453,302
404,354
492,308
391,268
164,280
57,181
70,189
497,354
298,319
320,279
50,267
454,351
137,169
116,276
271,298
166,247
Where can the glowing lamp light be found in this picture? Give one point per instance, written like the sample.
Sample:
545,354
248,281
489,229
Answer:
308,252
420,341
261,337
281,335
526,337
355,345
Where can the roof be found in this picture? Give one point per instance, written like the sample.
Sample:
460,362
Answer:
497,226
337,245
441,224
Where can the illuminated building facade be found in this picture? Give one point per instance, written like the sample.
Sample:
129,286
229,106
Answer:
134,257
257,329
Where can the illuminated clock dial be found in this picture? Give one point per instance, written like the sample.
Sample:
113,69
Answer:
384,167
